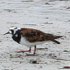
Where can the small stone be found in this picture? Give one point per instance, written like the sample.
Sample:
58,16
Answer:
41,67
66,67
68,8
47,3
34,62
66,51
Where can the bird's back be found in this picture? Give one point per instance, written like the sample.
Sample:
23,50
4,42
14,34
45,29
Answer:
33,35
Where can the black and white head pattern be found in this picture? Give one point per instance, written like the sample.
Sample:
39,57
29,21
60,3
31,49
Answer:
16,35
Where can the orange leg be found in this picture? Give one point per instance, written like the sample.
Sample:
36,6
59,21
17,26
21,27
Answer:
24,50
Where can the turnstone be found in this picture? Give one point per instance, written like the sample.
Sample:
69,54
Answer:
31,37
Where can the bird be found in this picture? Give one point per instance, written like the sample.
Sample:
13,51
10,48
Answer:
31,37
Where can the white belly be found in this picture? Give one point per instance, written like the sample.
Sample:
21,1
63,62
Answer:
23,41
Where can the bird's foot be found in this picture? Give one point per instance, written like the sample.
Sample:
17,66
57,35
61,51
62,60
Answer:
30,54
22,51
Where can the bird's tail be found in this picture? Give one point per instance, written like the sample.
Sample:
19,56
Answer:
51,37
56,41
56,37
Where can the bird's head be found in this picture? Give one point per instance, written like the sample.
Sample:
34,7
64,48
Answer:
12,30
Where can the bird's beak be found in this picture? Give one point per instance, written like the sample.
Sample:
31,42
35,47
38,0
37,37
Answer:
7,33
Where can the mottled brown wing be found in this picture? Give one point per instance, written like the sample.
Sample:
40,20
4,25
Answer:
33,35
